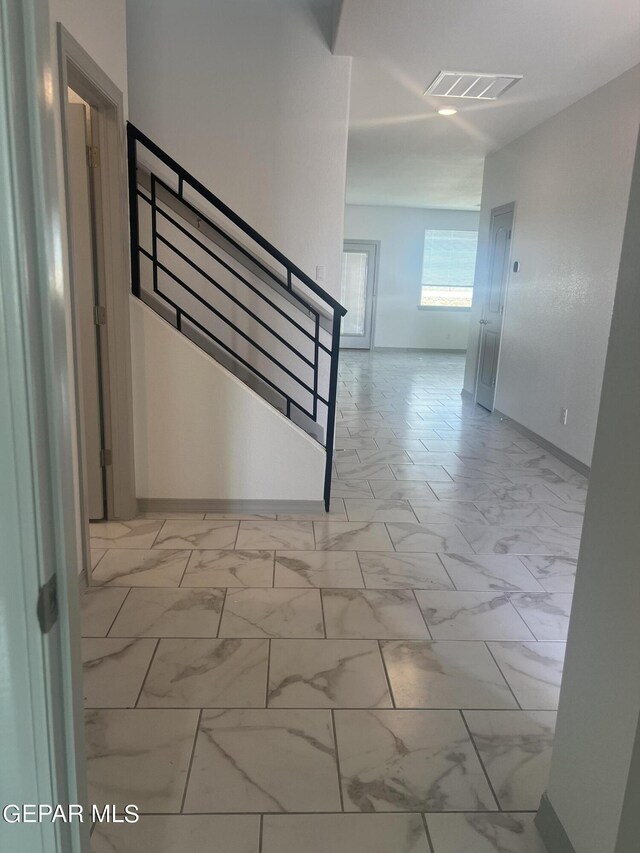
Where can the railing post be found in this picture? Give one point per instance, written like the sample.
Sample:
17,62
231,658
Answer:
133,209
331,408
316,366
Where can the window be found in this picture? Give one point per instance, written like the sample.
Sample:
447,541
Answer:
448,267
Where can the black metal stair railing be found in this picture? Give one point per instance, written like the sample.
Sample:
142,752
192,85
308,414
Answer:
219,278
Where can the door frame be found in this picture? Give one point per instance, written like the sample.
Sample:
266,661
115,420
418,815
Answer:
375,244
510,207
109,189
41,713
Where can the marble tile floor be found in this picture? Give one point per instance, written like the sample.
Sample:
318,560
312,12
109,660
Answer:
381,679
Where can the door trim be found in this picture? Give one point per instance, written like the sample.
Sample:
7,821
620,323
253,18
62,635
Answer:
78,70
375,244
510,207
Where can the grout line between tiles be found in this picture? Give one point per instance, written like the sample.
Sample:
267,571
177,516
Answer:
427,833
190,765
386,673
477,751
146,675
113,621
506,680
338,771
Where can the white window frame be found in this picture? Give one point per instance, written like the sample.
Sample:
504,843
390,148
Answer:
451,286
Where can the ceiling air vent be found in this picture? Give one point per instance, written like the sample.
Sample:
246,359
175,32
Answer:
465,84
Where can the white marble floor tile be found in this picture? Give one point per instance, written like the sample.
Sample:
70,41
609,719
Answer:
98,608
343,833
516,513
523,492
197,534
172,514
471,616
546,613
433,457
494,539
351,489
407,444
449,674
227,673
555,574
113,671
353,469
96,555
462,491
569,492
533,671
501,572
378,510
169,613
407,490
515,749
317,569
133,567
327,674
276,535
484,833
222,568
447,512
179,834
272,760
285,613
386,456
138,533
409,761
569,514
372,614
559,541
351,536
428,473
336,513
240,516
428,538
139,756
403,571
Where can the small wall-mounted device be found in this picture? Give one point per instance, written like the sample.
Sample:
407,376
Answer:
516,266
320,272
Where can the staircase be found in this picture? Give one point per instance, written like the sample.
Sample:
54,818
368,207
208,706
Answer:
218,282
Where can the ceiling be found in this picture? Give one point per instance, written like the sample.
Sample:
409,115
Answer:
400,151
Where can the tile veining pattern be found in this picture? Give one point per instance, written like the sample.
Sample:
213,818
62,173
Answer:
381,678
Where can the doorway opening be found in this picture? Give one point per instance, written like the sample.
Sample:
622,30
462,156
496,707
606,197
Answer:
500,233
92,118
358,293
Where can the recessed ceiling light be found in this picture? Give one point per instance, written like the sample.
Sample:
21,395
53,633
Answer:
447,111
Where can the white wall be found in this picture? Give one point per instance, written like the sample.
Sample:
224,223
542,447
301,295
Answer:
201,433
570,179
400,230
591,788
247,95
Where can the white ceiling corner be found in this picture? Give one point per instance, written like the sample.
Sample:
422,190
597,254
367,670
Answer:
400,151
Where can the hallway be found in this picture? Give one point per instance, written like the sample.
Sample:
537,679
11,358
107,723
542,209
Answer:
383,680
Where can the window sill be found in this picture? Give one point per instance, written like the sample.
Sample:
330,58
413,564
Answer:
443,308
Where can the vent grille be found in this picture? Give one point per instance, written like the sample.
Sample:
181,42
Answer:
466,84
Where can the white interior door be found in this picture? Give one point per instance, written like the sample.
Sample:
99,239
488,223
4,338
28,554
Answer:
491,322
357,293
84,283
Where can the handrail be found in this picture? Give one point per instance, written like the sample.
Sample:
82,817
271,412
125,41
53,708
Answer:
311,316
187,177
